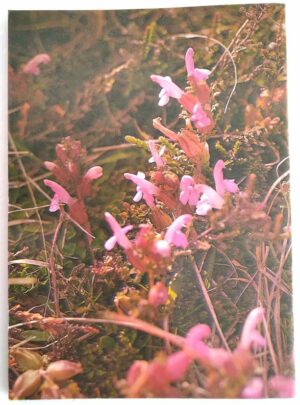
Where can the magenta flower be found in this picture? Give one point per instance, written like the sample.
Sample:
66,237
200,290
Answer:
177,365
32,67
190,191
209,199
60,195
158,294
144,189
199,117
156,156
169,89
223,185
198,74
119,234
250,336
174,234
254,389
93,173
283,386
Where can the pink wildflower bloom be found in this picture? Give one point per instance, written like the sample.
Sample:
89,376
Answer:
254,389
119,234
199,117
222,185
93,173
283,386
190,191
209,199
198,74
174,234
156,156
169,89
158,294
60,195
32,67
144,189
250,336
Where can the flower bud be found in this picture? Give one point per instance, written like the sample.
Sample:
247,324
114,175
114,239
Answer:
63,370
26,384
27,359
158,294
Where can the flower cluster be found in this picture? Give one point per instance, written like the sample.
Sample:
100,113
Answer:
67,172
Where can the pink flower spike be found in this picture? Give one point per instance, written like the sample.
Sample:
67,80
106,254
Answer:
174,234
119,234
283,386
250,336
156,156
32,67
169,89
199,74
60,195
209,199
254,389
93,173
189,191
222,185
144,189
158,294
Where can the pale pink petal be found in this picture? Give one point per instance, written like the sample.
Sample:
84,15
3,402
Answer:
171,89
254,389
50,166
194,341
215,200
223,185
32,67
201,74
156,157
174,234
158,294
110,243
250,336
60,195
189,61
93,173
138,196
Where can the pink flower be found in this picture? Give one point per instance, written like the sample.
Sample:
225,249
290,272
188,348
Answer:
144,189
209,199
174,234
254,389
119,234
158,294
194,344
250,336
169,89
198,74
222,185
283,386
60,195
190,191
93,173
32,67
199,117
156,156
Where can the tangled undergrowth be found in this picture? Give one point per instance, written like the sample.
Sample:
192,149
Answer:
183,289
